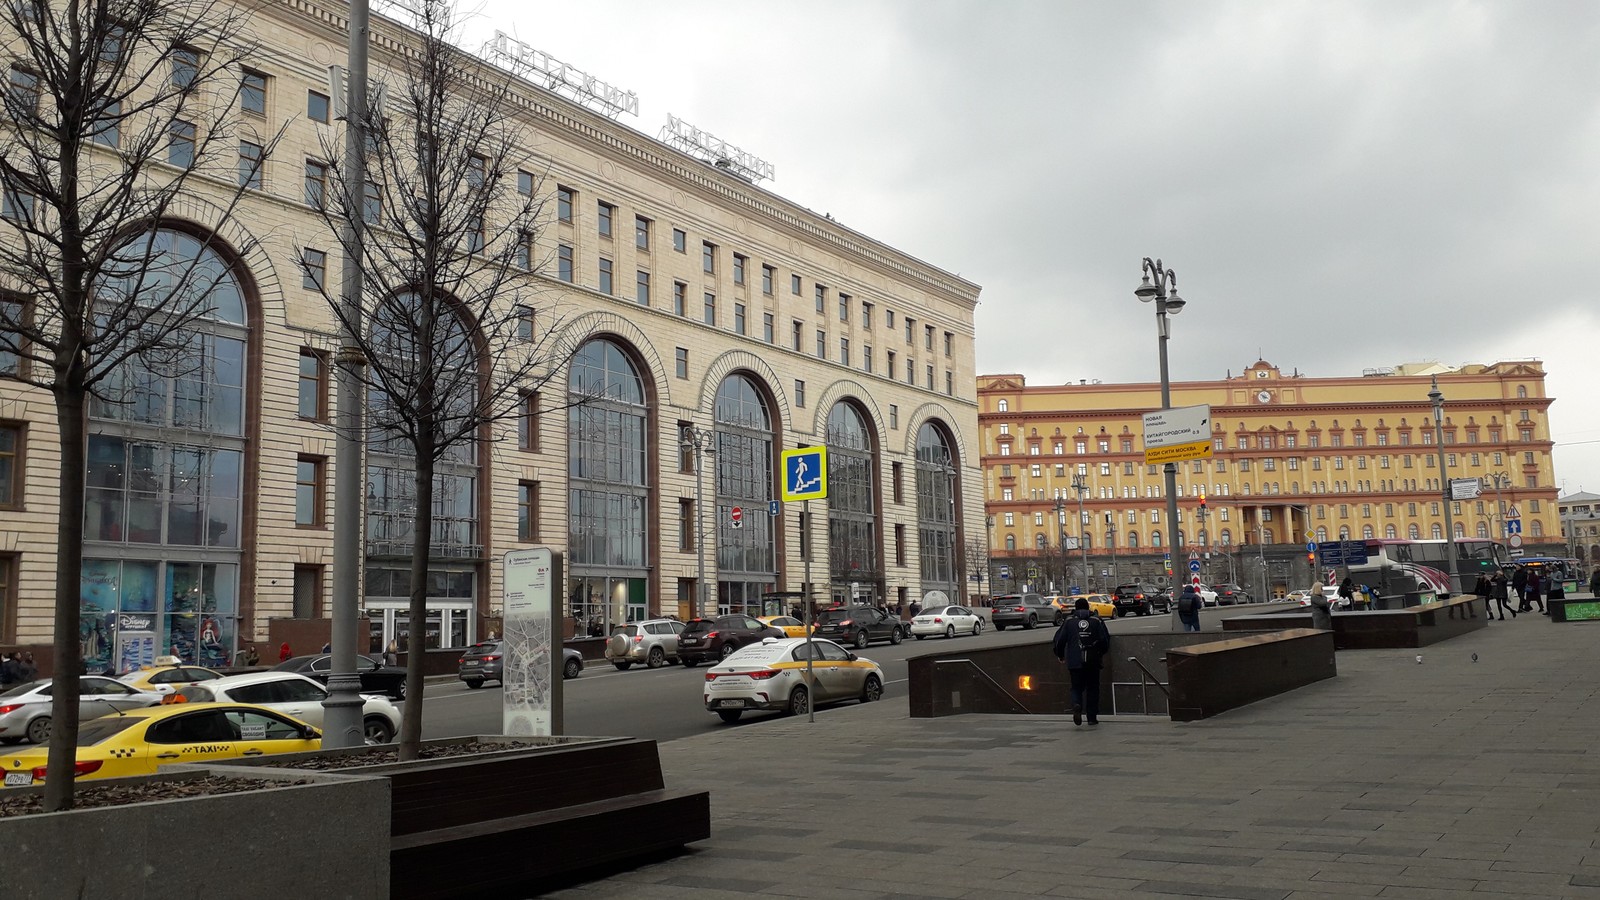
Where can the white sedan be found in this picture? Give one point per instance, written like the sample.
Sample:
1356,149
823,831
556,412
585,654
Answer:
946,620
772,675
293,695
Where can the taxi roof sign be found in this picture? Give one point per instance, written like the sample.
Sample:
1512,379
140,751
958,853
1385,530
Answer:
805,474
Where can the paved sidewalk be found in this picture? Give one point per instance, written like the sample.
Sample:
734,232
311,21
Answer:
1395,779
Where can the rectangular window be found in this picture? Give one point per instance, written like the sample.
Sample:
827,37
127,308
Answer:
528,423
685,525
313,269
680,298
185,67
680,240
888,364
564,263
897,479
253,93
822,298
927,337
524,260
708,257
767,273
900,547
866,358
180,144
929,380
822,344
766,327
711,309
888,319
738,318
565,197
313,399
949,383
894,417
794,285
24,88
866,316
16,207
477,235
844,351
844,308
11,461
317,106
911,372
949,343
911,327
739,263
525,324
641,233
316,184
683,362
641,288
606,286
606,212
308,492
525,182
527,510
371,203
799,394
107,132
794,334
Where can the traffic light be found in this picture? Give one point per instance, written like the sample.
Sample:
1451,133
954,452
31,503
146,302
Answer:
1202,510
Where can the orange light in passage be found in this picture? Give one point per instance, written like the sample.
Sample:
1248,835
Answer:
1025,682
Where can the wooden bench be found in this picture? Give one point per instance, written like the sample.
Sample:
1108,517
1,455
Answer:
1206,679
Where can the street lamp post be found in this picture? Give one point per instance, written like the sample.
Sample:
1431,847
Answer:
1499,480
1164,291
700,440
1450,550
1111,542
1081,485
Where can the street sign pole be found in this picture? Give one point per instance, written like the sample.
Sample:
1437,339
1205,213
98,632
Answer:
805,476
811,645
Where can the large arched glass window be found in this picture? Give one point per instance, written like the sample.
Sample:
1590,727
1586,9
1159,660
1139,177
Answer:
852,506
1413,532
1390,532
937,484
165,475
1436,532
608,489
746,555
1367,532
1155,538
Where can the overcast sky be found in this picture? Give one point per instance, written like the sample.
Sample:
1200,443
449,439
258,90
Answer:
1339,186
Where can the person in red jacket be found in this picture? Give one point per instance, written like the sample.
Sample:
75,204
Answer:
284,652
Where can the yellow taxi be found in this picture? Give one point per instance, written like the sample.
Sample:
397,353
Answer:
166,679
789,625
1099,604
136,742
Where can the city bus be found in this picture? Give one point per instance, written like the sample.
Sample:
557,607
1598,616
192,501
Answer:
1400,566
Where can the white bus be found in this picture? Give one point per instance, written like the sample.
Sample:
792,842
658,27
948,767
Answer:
1396,567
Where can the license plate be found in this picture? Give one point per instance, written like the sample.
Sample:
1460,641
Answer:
19,779
739,703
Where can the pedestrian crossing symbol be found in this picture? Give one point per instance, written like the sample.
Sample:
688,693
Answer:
805,473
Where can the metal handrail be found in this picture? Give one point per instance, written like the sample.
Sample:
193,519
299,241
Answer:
1020,706
1144,695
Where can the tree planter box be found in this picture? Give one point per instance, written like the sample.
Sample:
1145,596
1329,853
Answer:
515,818
234,845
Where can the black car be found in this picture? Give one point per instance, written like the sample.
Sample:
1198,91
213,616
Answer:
376,678
859,626
1163,600
485,661
1229,594
1134,599
1027,610
709,640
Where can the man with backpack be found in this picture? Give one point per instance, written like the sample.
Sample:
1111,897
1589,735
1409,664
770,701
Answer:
1081,643
1189,604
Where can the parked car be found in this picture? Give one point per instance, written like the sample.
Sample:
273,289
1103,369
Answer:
652,643
789,625
25,708
859,625
484,661
1027,610
166,679
771,675
1230,594
295,696
948,621
1134,599
136,742
376,678
708,640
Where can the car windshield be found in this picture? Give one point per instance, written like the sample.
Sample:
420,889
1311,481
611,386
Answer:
834,616
96,730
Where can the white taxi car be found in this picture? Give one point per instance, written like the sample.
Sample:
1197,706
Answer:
771,675
946,620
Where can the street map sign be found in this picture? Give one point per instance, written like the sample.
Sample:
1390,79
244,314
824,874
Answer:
1176,435
805,474
1465,488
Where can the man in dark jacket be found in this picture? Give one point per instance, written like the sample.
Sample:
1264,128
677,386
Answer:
1081,642
1189,604
10,670
1519,583
1594,582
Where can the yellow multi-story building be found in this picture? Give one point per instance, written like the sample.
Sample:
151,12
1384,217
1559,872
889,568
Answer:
1295,458
748,322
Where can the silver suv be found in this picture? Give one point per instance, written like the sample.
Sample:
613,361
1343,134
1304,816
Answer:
653,643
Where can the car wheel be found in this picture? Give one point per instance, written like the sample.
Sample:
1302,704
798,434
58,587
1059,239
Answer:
1033,622
729,715
977,627
39,730
622,666
687,663
572,669
727,650
895,637
872,690
474,683
658,658
378,730
799,701
950,631
861,640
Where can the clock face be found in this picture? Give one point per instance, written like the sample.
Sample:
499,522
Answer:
1264,397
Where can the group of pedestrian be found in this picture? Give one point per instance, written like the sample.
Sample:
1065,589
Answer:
17,668
1526,586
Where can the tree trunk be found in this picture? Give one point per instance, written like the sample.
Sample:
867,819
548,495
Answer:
416,649
70,399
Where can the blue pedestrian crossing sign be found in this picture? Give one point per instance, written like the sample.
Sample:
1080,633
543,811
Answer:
805,474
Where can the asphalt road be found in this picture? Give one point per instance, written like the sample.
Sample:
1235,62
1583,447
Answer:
665,704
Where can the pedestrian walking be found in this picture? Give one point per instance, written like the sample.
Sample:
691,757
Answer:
1189,603
284,652
1500,588
391,654
1519,581
26,669
1347,593
1594,582
1485,589
10,669
1321,612
1534,595
1081,643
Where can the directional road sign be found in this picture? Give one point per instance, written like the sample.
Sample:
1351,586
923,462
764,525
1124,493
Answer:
1513,526
1174,435
805,473
1194,565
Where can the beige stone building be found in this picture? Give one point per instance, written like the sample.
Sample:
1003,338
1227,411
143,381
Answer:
1332,458
697,298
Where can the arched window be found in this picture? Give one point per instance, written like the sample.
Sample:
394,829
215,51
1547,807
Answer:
1344,532
1267,536
1483,529
1227,537
1461,529
1367,532
1436,532
1537,528
166,460
1038,542
853,537
1413,532
1133,540
1011,542
1005,406
609,497
747,564
1155,538
937,499
1322,533
1389,532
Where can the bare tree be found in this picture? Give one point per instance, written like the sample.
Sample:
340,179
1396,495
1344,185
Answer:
453,338
977,554
115,109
